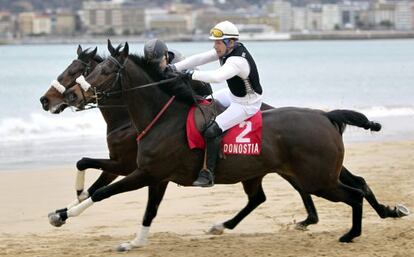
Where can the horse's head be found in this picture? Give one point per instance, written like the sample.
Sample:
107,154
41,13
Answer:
86,61
101,80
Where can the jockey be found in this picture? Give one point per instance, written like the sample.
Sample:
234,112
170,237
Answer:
156,51
242,98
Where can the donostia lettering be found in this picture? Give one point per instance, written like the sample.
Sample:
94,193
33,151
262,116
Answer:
241,148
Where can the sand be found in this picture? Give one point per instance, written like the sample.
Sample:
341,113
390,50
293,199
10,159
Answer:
186,213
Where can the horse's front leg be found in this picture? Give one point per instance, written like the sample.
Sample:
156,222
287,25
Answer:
155,195
133,181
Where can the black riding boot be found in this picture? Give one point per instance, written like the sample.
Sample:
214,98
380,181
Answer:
212,136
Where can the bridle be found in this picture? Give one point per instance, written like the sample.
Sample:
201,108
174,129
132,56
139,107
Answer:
118,80
117,83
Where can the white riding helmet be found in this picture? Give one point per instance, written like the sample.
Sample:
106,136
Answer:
223,30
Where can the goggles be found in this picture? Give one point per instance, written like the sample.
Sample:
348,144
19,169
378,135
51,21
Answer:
216,32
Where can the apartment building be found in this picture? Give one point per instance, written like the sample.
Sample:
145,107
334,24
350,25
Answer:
113,17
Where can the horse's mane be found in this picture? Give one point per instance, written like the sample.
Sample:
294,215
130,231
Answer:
180,88
85,53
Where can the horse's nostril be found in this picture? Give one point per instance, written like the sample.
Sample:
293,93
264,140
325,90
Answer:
45,102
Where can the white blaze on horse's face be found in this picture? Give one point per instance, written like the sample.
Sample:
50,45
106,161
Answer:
83,83
59,87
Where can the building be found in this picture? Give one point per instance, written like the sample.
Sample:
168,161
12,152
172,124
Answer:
412,14
299,17
7,25
403,15
353,14
169,24
205,19
382,15
113,17
283,10
314,17
25,23
42,24
331,17
65,23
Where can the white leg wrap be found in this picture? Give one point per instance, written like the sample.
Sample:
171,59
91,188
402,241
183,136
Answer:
78,209
140,240
72,204
80,180
84,195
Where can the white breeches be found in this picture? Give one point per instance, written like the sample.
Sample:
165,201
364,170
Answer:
238,108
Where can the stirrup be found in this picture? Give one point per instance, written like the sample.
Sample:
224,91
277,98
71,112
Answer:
205,179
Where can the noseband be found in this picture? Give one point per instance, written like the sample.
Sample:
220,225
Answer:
60,88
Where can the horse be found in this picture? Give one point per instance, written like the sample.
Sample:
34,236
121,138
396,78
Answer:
310,155
121,144
121,135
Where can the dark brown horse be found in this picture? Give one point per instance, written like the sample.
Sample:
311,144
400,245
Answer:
121,135
122,144
309,155
121,141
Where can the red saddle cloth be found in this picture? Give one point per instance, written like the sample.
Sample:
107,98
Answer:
244,138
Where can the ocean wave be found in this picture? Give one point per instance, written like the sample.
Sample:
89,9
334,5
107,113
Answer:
49,127
383,111
44,126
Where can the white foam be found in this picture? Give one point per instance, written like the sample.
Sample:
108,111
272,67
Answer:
383,111
46,126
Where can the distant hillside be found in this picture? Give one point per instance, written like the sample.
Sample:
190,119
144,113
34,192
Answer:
40,5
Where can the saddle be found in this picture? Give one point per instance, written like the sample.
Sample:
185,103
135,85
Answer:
206,111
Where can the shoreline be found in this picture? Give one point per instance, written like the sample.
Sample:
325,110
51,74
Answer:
38,153
184,215
279,36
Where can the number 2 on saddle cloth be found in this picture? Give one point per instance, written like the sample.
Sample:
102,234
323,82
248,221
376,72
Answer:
244,138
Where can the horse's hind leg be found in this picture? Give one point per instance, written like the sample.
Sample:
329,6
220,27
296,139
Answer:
352,197
383,211
155,195
309,206
254,190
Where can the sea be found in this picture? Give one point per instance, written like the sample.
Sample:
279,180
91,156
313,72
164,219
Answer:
375,77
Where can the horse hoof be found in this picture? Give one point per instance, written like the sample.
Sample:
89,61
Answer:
125,247
51,214
345,239
402,210
216,229
55,220
301,226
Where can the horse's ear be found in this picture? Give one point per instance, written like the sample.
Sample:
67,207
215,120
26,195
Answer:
111,48
125,51
93,53
79,51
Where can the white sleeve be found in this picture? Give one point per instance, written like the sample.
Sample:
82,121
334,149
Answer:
234,66
196,60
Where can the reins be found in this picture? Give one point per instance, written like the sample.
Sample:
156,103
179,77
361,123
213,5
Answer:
118,79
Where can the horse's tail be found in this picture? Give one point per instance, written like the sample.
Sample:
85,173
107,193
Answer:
341,118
